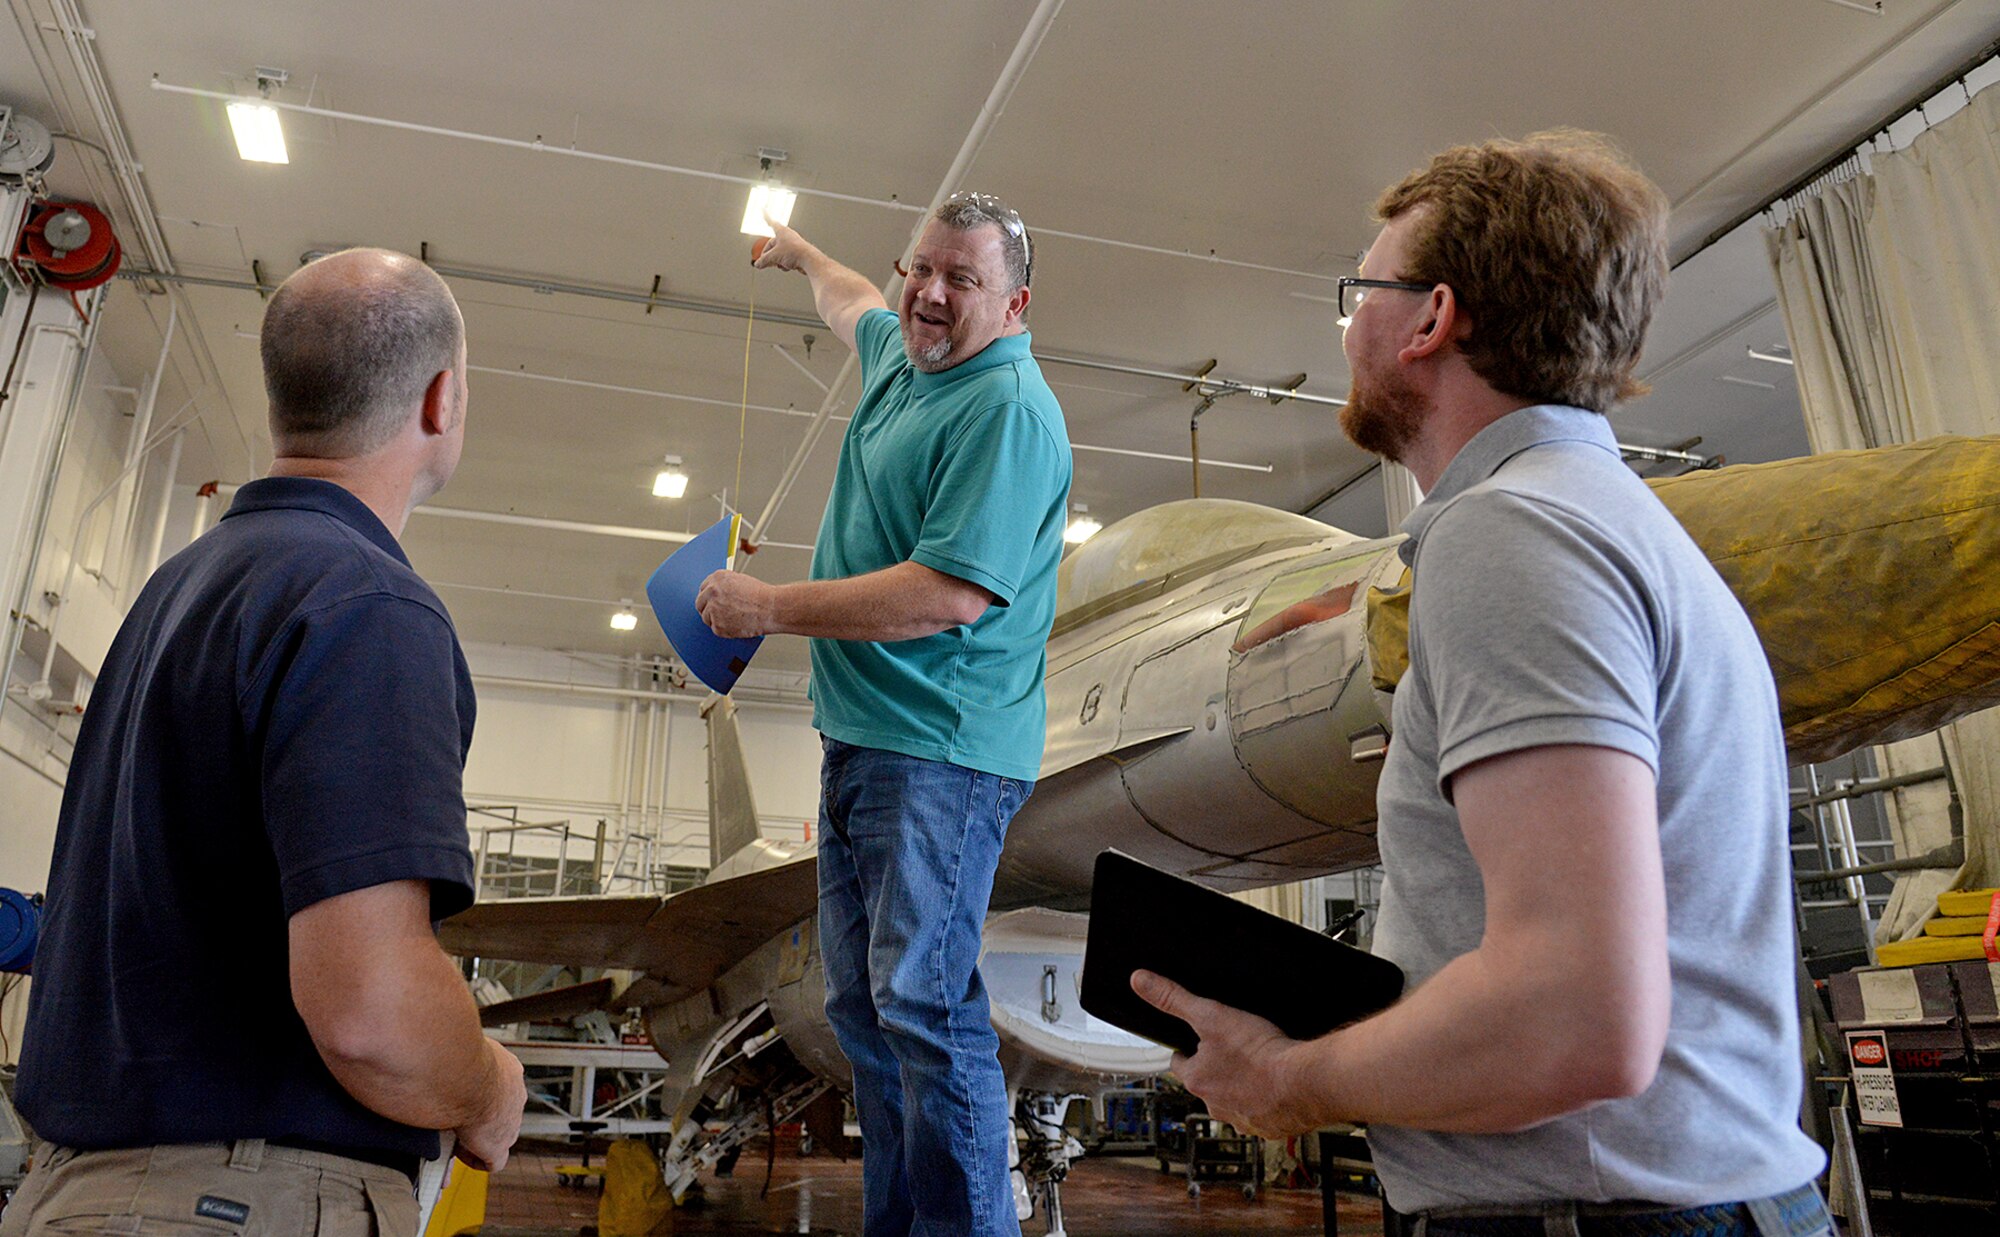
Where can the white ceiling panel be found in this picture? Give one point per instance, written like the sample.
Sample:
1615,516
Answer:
1215,163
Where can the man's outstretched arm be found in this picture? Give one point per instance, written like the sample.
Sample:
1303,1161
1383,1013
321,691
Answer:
840,295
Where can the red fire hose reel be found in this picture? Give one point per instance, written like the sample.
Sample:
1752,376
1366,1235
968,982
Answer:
67,245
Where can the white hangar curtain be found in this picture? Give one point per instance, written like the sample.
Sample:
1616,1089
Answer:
1889,282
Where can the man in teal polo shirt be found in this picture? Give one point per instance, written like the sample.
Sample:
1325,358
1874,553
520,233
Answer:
933,587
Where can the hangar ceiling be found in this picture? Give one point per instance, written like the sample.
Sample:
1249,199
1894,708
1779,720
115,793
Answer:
1196,174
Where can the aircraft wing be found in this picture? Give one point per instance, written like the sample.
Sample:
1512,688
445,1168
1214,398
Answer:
680,943
565,1002
588,931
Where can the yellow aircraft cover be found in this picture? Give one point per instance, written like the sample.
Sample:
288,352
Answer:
1873,579
1931,949
1956,925
1967,902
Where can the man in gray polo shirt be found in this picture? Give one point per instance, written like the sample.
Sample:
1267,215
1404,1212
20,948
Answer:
1583,810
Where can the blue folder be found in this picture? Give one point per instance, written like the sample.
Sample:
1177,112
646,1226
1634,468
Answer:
716,660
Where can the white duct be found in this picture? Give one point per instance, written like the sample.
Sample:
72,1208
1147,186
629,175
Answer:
117,546
156,533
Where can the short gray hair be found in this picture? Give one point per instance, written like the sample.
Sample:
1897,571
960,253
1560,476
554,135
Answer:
346,355
965,211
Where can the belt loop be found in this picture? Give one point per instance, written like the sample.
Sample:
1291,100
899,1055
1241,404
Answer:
1561,1222
247,1154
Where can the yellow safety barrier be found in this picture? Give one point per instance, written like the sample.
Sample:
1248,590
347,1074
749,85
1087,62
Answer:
462,1207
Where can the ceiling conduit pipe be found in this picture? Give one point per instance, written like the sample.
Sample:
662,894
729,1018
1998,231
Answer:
77,39
1226,385
724,309
996,103
491,139
1205,384
541,521
1221,385
83,59
719,308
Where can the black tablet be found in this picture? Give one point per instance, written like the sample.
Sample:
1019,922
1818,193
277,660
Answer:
1214,946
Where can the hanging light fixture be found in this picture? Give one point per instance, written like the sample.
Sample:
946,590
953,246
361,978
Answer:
1081,527
259,136
624,619
671,481
768,198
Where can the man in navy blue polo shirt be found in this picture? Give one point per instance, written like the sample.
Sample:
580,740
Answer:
933,587
240,1014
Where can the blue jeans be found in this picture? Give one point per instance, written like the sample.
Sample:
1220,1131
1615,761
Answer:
907,853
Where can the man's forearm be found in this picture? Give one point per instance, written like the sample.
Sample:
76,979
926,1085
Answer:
904,602
835,287
388,1011
1488,1045
840,295
422,1059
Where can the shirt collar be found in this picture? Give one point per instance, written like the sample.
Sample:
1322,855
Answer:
325,497
1499,442
1003,351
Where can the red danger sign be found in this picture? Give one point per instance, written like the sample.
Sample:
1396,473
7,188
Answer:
1875,1099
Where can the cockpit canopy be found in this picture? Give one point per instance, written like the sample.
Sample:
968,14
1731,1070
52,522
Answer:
1178,539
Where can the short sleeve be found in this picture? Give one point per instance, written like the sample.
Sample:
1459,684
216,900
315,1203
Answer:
878,342
1533,632
988,500
363,755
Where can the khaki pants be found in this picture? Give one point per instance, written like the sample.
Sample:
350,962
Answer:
244,1187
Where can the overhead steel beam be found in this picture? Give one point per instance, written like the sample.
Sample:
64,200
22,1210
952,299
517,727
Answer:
1215,383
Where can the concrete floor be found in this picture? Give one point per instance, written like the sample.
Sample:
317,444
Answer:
1104,1196
822,1195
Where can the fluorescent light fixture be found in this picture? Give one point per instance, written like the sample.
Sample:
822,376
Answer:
767,199
672,482
1773,357
624,620
259,136
1081,527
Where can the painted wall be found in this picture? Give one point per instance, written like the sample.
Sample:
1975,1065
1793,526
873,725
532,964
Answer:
49,391
32,736
640,767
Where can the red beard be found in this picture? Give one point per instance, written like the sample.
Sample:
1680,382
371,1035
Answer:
1383,418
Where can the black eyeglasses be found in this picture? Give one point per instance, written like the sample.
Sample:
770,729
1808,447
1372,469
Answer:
1009,221
1353,291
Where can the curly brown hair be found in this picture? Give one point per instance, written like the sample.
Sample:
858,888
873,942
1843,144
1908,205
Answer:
1556,247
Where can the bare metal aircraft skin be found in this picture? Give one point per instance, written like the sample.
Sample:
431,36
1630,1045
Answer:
1210,710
